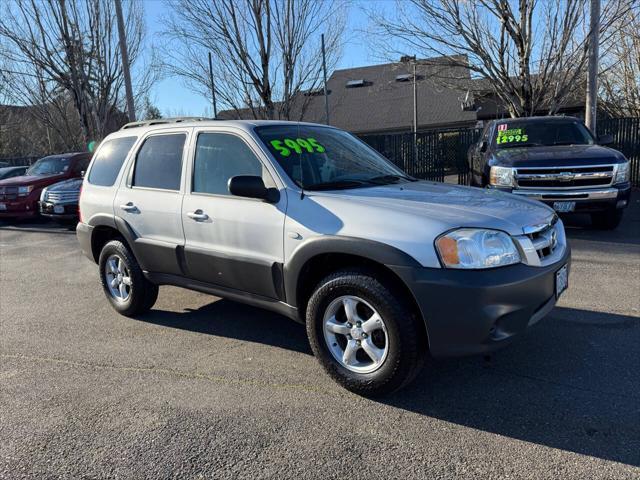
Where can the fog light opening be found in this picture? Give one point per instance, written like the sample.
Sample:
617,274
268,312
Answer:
621,204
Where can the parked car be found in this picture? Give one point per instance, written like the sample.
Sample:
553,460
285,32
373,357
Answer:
19,195
10,172
556,160
309,221
60,200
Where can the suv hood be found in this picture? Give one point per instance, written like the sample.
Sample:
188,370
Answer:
70,185
557,156
445,207
37,180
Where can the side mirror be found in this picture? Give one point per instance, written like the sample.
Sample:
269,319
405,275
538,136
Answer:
483,146
606,139
252,187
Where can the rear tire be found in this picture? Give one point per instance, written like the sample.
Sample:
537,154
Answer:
607,220
386,358
123,282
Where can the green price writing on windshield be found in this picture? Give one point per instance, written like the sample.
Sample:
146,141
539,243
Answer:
511,135
285,146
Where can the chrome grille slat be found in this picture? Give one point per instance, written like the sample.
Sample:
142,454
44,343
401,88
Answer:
564,177
62,196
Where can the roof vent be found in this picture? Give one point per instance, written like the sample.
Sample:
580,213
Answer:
355,83
314,92
405,77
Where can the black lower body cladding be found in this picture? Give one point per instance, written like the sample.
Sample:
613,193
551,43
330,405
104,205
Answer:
469,312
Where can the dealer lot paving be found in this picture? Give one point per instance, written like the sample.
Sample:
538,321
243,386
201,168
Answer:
206,388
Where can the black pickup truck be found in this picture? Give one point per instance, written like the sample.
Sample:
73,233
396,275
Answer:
556,160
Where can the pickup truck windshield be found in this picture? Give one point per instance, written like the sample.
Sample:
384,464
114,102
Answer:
49,166
540,133
322,158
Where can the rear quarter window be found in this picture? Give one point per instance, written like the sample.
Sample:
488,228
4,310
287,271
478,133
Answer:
159,162
109,160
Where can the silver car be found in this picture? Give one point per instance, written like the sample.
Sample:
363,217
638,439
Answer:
308,221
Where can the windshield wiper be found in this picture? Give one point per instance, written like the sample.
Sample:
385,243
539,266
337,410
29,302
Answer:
385,179
335,185
562,143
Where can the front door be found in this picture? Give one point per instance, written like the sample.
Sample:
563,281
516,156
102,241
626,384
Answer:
150,200
230,241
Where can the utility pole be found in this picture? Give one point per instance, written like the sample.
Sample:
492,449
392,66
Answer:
591,104
213,88
415,99
125,62
324,71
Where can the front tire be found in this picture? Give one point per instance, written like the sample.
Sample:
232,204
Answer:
123,282
364,334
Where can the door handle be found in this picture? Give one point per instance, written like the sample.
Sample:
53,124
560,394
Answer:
129,207
198,215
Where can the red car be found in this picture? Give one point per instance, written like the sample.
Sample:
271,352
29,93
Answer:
19,195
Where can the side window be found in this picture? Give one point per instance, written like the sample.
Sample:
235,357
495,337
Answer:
109,160
220,156
159,162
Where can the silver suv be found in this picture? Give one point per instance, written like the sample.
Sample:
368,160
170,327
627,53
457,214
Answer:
308,221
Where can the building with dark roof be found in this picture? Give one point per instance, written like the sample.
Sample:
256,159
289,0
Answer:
379,99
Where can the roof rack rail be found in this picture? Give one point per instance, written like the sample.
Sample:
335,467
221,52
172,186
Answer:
163,121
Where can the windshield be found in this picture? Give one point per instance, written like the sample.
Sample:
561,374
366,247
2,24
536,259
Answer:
541,133
49,166
321,158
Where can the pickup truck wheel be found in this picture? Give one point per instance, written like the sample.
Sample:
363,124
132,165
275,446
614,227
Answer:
123,282
607,220
363,333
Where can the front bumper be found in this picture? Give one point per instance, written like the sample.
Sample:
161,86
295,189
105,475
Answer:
469,312
18,208
587,200
69,210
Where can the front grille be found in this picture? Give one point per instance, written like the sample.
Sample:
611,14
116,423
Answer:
62,197
8,193
545,240
564,177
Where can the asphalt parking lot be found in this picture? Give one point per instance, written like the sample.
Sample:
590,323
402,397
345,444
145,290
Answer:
206,388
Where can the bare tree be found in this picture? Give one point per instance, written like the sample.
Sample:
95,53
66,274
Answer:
63,51
266,52
620,76
531,53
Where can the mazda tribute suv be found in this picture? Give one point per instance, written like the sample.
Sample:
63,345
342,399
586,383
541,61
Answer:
310,222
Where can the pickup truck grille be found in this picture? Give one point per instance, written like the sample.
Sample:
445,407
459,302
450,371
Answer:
564,177
8,193
62,197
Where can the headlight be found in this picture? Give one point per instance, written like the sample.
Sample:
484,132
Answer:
622,173
501,176
473,248
24,191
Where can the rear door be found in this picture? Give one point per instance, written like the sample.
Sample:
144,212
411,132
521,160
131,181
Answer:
150,197
231,241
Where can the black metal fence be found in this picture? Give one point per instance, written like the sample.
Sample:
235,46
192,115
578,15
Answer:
626,138
441,155
432,155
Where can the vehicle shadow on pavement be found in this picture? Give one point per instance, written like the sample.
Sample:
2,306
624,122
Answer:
572,383
225,318
578,226
38,226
